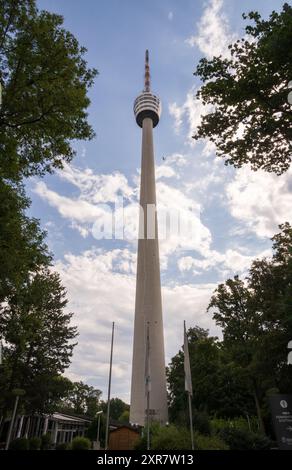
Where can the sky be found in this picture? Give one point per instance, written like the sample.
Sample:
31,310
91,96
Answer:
233,212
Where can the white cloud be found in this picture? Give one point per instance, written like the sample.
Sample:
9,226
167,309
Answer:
170,15
191,112
88,210
177,113
75,209
94,187
212,38
260,200
101,291
214,34
165,171
232,261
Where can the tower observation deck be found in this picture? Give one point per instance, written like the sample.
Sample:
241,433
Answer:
148,388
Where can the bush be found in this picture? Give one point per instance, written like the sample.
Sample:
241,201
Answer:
218,424
203,442
34,443
81,443
239,439
62,446
201,422
173,438
19,444
165,438
46,442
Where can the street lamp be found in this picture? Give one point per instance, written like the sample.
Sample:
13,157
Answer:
99,413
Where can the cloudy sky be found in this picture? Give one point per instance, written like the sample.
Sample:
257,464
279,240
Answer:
233,213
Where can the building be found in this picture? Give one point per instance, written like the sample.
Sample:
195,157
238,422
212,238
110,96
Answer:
123,436
61,427
148,389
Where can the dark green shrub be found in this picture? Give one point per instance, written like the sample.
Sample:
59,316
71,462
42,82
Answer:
173,438
260,442
239,439
19,444
81,443
201,422
62,446
46,442
203,442
34,443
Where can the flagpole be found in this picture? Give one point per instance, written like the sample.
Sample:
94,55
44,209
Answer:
191,421
148,387
109,389
188,383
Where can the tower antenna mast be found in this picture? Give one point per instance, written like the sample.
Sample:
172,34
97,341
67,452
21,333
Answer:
147,72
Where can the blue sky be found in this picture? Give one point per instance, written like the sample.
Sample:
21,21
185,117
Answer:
234,213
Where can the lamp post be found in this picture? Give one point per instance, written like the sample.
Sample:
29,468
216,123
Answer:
98,414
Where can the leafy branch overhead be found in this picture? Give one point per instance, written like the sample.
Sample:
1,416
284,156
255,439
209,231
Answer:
45,81
250,120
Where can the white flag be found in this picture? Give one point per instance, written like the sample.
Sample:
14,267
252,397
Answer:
187,366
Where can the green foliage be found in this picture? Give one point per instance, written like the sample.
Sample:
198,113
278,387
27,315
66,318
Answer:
125,417
19,444
201,422
178,438
46,442
45,90
81,399
91,432
250,117
165,438
255,317
81,443
209,442
38,341
239,439
62,446
117,407
22,247
218,384
241,422
231,378
34,443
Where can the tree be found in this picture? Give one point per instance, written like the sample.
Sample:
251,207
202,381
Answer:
38,342
82,399
218,384
45,80
22,246
234,312
255,317
250,121
117,408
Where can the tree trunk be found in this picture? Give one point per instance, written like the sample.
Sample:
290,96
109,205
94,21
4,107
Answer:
258,408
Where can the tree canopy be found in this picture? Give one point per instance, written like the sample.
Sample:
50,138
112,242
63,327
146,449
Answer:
45,80
250,117
38,341
22,243
234,376
81,399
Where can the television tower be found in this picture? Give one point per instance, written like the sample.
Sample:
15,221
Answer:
148,390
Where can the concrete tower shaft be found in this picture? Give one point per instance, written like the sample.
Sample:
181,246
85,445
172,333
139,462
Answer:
148,306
